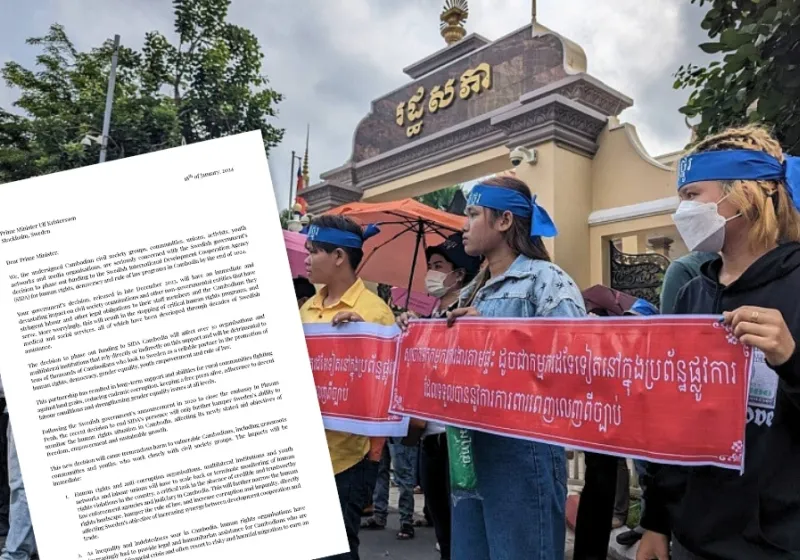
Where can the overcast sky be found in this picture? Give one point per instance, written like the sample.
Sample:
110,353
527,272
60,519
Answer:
330,58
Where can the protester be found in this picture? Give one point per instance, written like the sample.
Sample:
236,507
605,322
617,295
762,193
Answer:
303,290
334,245
449,270
598,504
678,274
641,307
740,197
404,458
603,505
518,507
605,498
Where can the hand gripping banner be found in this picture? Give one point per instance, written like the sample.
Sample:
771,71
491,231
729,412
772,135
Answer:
354,367
667,389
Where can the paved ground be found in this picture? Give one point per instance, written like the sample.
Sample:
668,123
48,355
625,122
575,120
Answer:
383,544
619,552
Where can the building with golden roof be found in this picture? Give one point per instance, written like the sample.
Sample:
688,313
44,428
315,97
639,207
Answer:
471,108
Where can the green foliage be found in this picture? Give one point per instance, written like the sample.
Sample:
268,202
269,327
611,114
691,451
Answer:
634,513
65,100
439,199
286,216
757,79
207,86
213,74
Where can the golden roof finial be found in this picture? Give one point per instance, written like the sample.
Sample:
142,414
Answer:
454,15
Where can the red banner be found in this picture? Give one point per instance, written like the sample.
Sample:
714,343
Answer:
668,389
354,367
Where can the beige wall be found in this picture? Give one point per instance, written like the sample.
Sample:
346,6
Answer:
573,204
541,178
571,186
623,173
461,170
562,180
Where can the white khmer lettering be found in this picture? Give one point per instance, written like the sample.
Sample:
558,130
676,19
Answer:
550,408
354,365
686,374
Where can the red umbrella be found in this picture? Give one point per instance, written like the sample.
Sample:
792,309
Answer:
396,256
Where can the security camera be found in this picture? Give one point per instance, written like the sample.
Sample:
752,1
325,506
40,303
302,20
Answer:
520,154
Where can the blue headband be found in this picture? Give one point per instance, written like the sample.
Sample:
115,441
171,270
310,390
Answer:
498,198
741,165
339,237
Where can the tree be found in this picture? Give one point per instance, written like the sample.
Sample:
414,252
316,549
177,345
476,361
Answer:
212,73
207,86
64,102
758,78
440,199
286,217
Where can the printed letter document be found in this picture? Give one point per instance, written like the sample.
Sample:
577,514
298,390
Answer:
153,359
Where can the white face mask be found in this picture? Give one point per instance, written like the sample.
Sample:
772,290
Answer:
700,225
434,283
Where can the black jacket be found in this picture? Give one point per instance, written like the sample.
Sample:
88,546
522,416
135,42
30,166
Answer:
717,513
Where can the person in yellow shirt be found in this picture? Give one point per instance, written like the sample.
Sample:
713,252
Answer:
334,246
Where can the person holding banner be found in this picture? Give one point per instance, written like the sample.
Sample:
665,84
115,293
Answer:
450,269
510,494
679,272
334,246
605,498
740,196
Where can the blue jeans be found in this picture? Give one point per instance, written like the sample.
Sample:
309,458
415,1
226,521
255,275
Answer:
20,542
520,513
380,495
405,460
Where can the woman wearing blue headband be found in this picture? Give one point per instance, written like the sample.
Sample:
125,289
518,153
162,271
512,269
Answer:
516,506
740,196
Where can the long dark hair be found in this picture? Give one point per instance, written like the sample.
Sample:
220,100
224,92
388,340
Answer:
518,236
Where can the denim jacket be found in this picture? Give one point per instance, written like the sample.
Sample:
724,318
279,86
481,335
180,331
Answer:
529,288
